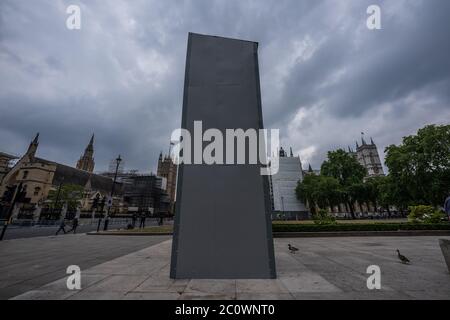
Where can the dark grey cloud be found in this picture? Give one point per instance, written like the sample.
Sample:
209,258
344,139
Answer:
324,76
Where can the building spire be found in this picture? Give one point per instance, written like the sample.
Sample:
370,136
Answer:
36,138
291,152
86,161
362,139
310,168
31,152
90,146
371,141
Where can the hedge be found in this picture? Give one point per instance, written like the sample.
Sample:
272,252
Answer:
359,227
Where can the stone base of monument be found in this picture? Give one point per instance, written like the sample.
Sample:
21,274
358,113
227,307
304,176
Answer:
445,247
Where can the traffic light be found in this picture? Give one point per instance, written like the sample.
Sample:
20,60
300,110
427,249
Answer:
21,196
102,203
9,194
95,202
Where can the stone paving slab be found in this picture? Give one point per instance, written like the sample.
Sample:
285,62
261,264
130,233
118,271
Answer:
29,263
323,268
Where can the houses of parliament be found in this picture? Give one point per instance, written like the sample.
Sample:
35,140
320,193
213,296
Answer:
38,176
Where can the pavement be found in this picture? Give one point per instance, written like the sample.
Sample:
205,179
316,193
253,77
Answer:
323,268
29,263
17,232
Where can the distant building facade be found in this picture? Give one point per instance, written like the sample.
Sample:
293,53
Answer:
282,188
368,156
39,176
5,164
145,194
168,170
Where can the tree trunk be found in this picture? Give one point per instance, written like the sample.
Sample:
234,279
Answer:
312,208
352,212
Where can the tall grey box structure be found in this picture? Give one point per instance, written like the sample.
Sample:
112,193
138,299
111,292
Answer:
222,226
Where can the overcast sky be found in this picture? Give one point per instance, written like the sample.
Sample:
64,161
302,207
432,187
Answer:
325,77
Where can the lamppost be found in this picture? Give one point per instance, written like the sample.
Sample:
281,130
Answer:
102,206
15,195
57,198
118,160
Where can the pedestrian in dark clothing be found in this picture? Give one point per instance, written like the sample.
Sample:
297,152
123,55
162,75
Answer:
161,221
142,224
62,226
133,220
74,225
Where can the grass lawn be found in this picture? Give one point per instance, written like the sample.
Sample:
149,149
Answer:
361,221
153,229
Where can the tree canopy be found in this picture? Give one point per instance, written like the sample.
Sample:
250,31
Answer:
344,167
420,167
68,193
349,173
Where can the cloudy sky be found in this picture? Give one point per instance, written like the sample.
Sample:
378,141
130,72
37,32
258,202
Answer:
325,77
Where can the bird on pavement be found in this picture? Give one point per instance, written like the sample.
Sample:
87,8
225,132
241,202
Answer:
402,258
292,249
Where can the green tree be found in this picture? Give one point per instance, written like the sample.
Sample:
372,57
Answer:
69,193
358,192
350,174
381,191
420,167
427,214
322,217
319,191
330,190
308,190
374,191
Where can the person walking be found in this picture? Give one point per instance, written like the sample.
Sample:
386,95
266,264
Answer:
74,225
142,224
62,226
447,206
133,220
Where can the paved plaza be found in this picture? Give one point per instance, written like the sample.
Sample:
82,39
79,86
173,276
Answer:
323,268
27,264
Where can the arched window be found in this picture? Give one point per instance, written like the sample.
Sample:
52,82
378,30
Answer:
36,191
25,174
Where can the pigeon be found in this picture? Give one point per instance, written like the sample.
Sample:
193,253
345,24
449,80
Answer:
292,249
402,258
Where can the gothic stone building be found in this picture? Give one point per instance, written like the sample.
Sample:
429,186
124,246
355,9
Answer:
368,157
5,161
168,170
38,176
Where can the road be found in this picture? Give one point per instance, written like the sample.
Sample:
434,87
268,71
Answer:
29,263
18,232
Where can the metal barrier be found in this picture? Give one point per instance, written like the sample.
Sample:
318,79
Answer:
83,221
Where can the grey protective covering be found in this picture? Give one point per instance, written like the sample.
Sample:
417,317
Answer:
222,219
